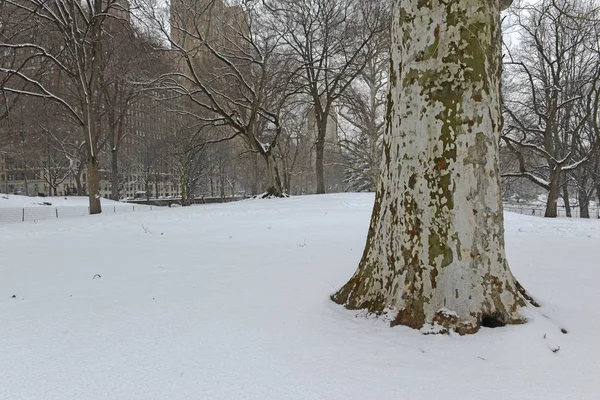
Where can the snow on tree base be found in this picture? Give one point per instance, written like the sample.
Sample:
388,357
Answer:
267,195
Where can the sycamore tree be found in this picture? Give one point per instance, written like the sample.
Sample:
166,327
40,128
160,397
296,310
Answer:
434,257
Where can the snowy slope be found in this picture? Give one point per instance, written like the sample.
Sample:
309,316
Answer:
231,302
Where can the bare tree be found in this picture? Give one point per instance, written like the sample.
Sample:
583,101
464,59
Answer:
552,91
229,74
362,108
131,63
328,39
70,40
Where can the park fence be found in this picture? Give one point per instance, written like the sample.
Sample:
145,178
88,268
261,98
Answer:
539,210
25,214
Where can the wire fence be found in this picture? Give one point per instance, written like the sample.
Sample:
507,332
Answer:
539,211
25,214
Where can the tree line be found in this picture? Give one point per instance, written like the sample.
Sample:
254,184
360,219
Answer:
270,96
205,89
551,98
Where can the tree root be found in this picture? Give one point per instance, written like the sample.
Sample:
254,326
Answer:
526,295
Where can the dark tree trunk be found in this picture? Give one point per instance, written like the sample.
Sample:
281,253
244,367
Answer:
319,161
566,197
26,184
254,187
553,193
274,186
183,181
93,175
287,182
598,203
222,178
78,185
584,203
114,173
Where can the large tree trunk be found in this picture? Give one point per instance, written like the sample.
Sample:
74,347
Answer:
584,204
565,196
287,182
93,175
553,193
435,255
274,186
598,201
254,187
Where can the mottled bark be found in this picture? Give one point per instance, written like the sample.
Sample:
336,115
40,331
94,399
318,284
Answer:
435,255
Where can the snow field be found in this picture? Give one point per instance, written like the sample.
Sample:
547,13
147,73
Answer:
230,301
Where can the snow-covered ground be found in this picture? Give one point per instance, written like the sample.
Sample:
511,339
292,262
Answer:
231,302
10,200
14,208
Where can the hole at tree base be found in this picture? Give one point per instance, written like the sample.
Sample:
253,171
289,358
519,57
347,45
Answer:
492,321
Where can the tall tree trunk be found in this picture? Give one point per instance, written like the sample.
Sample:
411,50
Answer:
320,158
287,182
93,178
255,169
565,195
156,183
92,108
183,181
274,186
78,184
553,193
26,183
584,203
222,178
598,200
114,173
435,255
